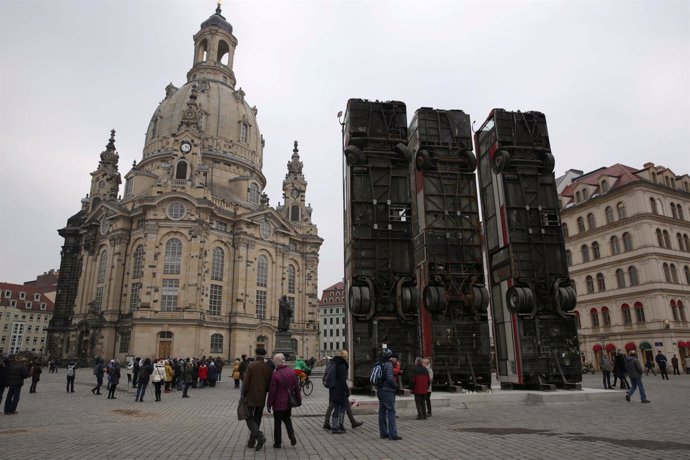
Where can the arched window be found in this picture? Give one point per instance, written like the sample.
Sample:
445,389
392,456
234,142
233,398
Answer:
244,133
591,222
584,250
601,283
605,316
639,312
667,273
681,245
667,240
102,265
578,323
681,311
627,317
674,311
652,203
653,177
589,281
674,274
673,211
596,253
291,279
294,213
680,212
217,264
578,197
254,193
216,343
615,246
627,242
632,274
686,269
173,257
585,193
594,315
609,215
621,211
659,238
569,258
686,240
201,51
564,229
604,186
223,56
262,271
181,170
138,264
620,278
580,225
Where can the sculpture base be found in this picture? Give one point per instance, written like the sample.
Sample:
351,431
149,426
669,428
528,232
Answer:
284,344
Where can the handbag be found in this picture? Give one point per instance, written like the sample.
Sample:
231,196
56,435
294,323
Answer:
242,411
292,400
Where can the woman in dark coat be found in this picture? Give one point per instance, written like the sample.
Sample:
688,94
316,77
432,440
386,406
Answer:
114,375
145,372
338,393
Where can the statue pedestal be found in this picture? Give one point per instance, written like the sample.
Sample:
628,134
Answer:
284,344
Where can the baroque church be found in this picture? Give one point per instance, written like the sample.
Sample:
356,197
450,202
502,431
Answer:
191,259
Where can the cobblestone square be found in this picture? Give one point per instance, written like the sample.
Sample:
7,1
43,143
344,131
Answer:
58,425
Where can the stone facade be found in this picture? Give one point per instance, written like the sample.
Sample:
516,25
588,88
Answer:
25,313
192,259
627,236
332,315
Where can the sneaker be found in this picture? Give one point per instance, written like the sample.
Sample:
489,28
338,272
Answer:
627,397
355,424
644,401
395,438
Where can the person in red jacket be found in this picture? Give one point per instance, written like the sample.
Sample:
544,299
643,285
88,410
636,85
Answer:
420,386
203,374
283,382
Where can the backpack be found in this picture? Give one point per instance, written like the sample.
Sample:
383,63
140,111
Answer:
329,375
70,371
376,374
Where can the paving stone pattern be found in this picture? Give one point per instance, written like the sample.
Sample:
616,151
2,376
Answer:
58,425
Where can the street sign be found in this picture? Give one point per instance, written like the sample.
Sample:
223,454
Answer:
658,344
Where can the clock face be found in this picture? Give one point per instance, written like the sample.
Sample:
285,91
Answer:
295,193
185,147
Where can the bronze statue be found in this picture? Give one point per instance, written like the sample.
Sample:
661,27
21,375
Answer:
285,312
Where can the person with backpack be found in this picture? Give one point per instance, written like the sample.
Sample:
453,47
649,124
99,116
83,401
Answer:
98,371
114,378
337,393
35,373
420,387
71,374
283,383
386,387
145,371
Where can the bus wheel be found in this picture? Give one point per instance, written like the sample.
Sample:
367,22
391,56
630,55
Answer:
471,160
366,299
354,155
404,151
501,160
355,299
423,160
549,162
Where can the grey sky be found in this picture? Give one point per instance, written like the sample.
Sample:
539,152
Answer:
613,79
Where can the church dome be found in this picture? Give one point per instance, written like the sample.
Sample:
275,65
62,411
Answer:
217,20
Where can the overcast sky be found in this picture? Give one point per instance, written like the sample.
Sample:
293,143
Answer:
613,79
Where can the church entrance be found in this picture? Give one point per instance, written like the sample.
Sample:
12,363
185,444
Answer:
165,344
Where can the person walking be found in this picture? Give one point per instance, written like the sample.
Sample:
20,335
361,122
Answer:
632,365
5,365
257,379
619,370
187,376
674,363
212,374
661,361
420,387
158,378
169,375
236,373
130,368
385,393
283,383
145,371
427,363
203,374
15,380
337,394
114,374
35,373
649,365
135,372
606,367
687,365
98,371
71,375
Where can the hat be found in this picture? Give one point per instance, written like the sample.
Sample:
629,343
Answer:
387,353
261,351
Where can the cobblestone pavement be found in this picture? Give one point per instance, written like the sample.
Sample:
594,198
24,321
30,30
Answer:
57,425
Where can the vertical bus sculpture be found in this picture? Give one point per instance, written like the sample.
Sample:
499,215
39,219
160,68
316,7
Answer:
531,293
381,290
448,249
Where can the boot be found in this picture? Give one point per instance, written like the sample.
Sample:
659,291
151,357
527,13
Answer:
327,426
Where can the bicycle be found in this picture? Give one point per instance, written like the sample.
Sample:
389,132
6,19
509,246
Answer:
306,386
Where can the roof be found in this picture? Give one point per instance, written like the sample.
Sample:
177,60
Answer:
30,294
622,174
339,286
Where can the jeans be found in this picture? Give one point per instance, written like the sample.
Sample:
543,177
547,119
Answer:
254,423
32,388
12,400
337,416
635,384
141,389
282,416
111,391
348,411
607,379
70,384
186,387
387,423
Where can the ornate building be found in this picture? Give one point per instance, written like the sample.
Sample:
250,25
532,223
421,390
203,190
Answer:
628,248
191,260
332,315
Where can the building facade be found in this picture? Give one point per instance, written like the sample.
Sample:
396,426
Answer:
45,283
25,313
192,259
332,319
627,239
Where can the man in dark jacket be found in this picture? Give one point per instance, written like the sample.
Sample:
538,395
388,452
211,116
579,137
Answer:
35,371
337,395
4,372
619,370
674,363
634,368
257,377
661,362
388,428
98,370
15,379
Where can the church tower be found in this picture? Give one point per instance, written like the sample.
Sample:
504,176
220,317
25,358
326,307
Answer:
192,259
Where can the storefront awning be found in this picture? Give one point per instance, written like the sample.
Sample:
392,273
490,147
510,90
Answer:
682,344
630,346
596,347
645,346
610,347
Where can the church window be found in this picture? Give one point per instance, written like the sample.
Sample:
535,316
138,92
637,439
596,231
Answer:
674,274
606,316
291,279
169,294
216,343
615,245
134,297
667,273
652,202
223,53
181,170
124,341
680,213
580,225
564,228
294,213
584,250
632,274
609,214
244,133
176,210
215,299
102,264
589,281
218,262
254,193
222,226
98,301
138,266
569,258
265,229
173,257
639,312
659,238
601,283
262,271
621,210
261,304
594,315
667,240
291,301
154,127
596,252
620,278
591,222
129,186
627,242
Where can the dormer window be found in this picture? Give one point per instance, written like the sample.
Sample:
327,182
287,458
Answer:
8,294
129,187
585,194
43,306
604,186
28,305
37,297
254,193
22,295
244,133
